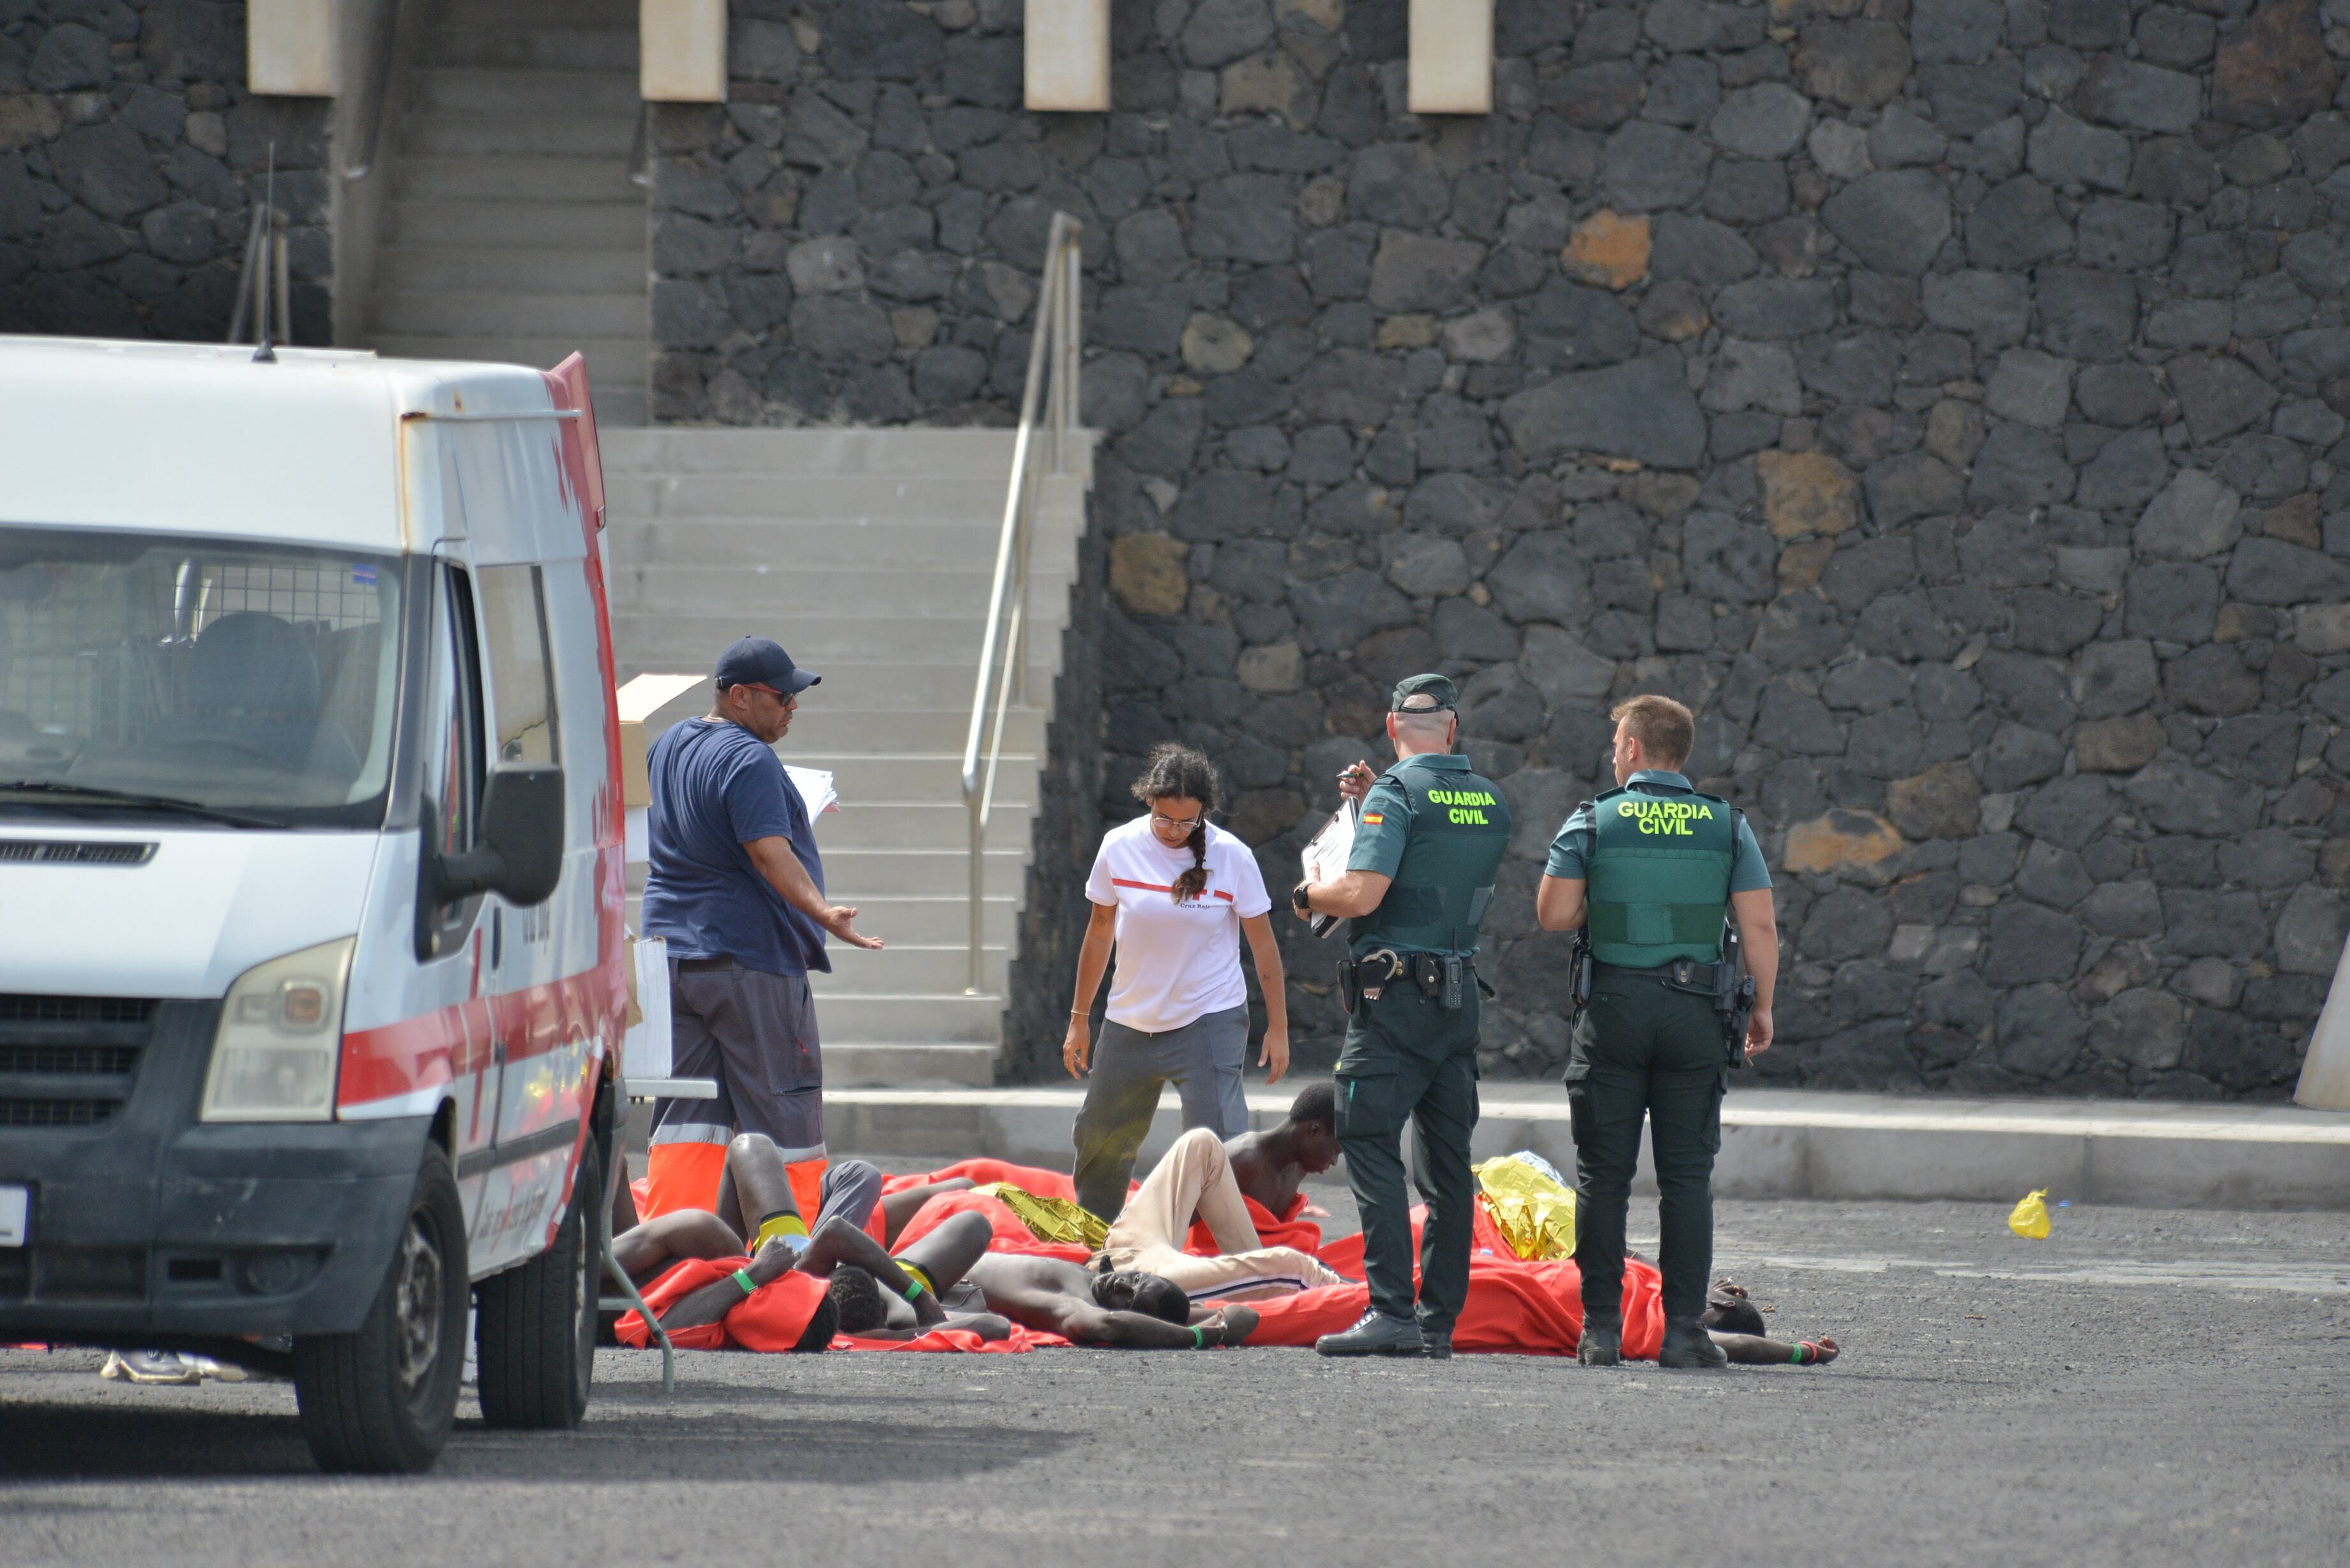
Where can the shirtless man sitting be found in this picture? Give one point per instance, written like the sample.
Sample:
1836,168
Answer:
1197,1179
1268,1166
1121,1308
870,1294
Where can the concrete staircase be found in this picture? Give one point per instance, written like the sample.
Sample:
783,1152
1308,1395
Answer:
513,232
869,555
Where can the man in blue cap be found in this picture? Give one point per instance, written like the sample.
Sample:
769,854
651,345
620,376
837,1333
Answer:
735,886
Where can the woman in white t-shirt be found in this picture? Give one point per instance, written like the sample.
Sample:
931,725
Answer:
1173,893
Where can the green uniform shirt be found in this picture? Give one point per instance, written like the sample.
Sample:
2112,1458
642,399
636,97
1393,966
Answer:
1570,851
1439,830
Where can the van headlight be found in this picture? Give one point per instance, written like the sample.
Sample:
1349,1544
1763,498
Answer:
280,1039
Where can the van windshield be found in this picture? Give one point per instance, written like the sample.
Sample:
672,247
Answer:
256,682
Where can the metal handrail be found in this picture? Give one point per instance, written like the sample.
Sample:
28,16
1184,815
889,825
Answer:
1053,358
387,43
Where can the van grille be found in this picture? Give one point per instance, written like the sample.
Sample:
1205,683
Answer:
77,852
69,1061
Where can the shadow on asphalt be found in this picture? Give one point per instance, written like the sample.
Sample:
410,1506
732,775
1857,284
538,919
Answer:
48,1441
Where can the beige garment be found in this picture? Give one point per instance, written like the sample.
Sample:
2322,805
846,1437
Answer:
1196,1178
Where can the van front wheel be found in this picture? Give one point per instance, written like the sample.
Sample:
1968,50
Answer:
381,1400
535,1325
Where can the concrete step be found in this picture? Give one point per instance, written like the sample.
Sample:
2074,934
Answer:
815,542
850,686
938,824
937,967
589,225
789,585
488,135
560,48
620,406
939,921
483,314
934,873
514,178
852,731
972,500
923,776
911,1018
1775,1143
538,269
494,91
660,640
927,922
868,1064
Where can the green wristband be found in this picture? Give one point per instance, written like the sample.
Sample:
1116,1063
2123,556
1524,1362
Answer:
743,1278
1794,1355
1199,1337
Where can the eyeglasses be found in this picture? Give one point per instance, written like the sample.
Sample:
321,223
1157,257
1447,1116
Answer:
1182,823
778,696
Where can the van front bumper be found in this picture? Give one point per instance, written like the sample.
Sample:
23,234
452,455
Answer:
153,1223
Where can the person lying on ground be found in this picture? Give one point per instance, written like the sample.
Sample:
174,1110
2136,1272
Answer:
1196,1179
1733,1323
892,1211
870,1292
1268,1166
1120,1308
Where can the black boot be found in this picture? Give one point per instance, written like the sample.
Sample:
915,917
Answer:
1687,1344
1602,1343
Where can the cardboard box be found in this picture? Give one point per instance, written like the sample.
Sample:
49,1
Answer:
639,699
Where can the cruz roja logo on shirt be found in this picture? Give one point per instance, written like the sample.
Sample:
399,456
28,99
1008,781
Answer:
1665,815
1466,806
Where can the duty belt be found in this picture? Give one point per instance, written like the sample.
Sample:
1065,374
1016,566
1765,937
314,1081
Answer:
1682,974
1437,975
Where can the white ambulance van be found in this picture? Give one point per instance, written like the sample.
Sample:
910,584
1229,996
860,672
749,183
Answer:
311,953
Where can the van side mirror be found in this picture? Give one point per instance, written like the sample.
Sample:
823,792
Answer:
521,852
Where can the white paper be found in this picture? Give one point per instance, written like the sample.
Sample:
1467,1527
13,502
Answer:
16,1208
815,786
1325,858
645,1048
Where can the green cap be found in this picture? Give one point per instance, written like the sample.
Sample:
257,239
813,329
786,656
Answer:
1436,688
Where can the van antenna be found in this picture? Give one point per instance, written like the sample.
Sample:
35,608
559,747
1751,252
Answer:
266,355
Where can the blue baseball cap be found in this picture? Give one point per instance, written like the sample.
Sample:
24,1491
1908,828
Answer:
762,661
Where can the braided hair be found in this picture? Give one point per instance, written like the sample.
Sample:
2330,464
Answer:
1177,772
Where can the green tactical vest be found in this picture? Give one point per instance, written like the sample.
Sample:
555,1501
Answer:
1459,829
1658,876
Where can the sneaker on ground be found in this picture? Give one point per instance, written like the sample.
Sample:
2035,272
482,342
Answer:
150,1367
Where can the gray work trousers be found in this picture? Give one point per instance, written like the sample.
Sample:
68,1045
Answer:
1203,1059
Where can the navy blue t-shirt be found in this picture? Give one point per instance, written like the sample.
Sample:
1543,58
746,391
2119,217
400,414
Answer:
716,787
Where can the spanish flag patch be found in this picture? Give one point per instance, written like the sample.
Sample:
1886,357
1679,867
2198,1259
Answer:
1373,818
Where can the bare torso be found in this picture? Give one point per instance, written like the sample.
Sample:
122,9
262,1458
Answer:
1271,1183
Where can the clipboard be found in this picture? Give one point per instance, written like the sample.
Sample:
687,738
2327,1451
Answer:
1326,857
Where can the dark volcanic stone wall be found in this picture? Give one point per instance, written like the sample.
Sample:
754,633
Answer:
129,153
1944,398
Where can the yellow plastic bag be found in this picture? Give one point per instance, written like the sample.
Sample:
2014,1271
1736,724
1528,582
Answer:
2030,1219
1050,1219
1531,1207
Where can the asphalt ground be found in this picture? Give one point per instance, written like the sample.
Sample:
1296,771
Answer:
2144,1386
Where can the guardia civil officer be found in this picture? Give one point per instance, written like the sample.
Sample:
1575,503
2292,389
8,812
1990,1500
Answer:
1653,870
1420,877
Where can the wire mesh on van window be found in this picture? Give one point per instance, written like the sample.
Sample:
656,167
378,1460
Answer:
231,675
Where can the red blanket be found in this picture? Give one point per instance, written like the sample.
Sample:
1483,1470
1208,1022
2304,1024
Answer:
1515,1308
773,1318
1027,1177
